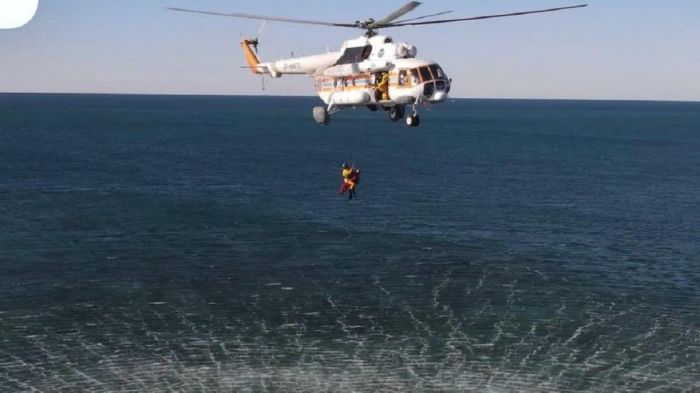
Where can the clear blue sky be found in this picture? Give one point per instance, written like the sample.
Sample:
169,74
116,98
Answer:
614,49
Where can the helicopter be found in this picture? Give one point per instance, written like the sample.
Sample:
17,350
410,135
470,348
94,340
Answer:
371,71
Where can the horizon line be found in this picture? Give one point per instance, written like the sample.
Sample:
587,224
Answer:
315,96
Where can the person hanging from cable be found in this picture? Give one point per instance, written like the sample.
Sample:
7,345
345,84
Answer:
354,180
346,171
351,177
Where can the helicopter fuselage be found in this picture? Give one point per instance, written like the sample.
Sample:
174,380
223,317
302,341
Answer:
410,81
367,71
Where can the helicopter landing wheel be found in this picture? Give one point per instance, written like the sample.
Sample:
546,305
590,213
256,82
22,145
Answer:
413,121
321,115
396,113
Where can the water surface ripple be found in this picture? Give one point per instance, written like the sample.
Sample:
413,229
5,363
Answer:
197,244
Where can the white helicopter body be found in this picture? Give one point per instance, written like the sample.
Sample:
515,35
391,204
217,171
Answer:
352,76
371,71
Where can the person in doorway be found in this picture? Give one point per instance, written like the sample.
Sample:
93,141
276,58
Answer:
383,86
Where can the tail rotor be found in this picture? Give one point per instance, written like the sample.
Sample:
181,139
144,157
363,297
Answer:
252,55
256,41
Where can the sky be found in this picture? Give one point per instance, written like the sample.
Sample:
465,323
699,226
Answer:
614,49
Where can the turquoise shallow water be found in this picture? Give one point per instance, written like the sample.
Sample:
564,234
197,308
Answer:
196,243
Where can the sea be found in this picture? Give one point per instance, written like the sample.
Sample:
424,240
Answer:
198,244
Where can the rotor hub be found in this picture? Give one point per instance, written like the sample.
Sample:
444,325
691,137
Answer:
369,27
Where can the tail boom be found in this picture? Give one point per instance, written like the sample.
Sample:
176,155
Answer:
306,65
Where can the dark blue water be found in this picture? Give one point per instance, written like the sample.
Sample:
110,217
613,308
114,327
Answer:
197,244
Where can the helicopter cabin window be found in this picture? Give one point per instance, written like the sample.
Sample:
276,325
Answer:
402,78
415,79
437,71
354,55
425,74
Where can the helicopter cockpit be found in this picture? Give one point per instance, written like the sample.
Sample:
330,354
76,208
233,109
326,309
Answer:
431,77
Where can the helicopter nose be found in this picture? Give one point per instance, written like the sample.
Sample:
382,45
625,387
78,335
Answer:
437,90
439,96
428,89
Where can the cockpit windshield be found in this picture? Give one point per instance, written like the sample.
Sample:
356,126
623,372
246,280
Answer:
437,71
425,74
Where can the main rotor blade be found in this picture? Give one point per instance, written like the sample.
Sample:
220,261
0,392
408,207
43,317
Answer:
408,7
424,17
430,22
263,17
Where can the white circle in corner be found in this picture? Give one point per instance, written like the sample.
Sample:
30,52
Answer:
17,13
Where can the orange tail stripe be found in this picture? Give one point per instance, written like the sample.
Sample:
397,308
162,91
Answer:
250,56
